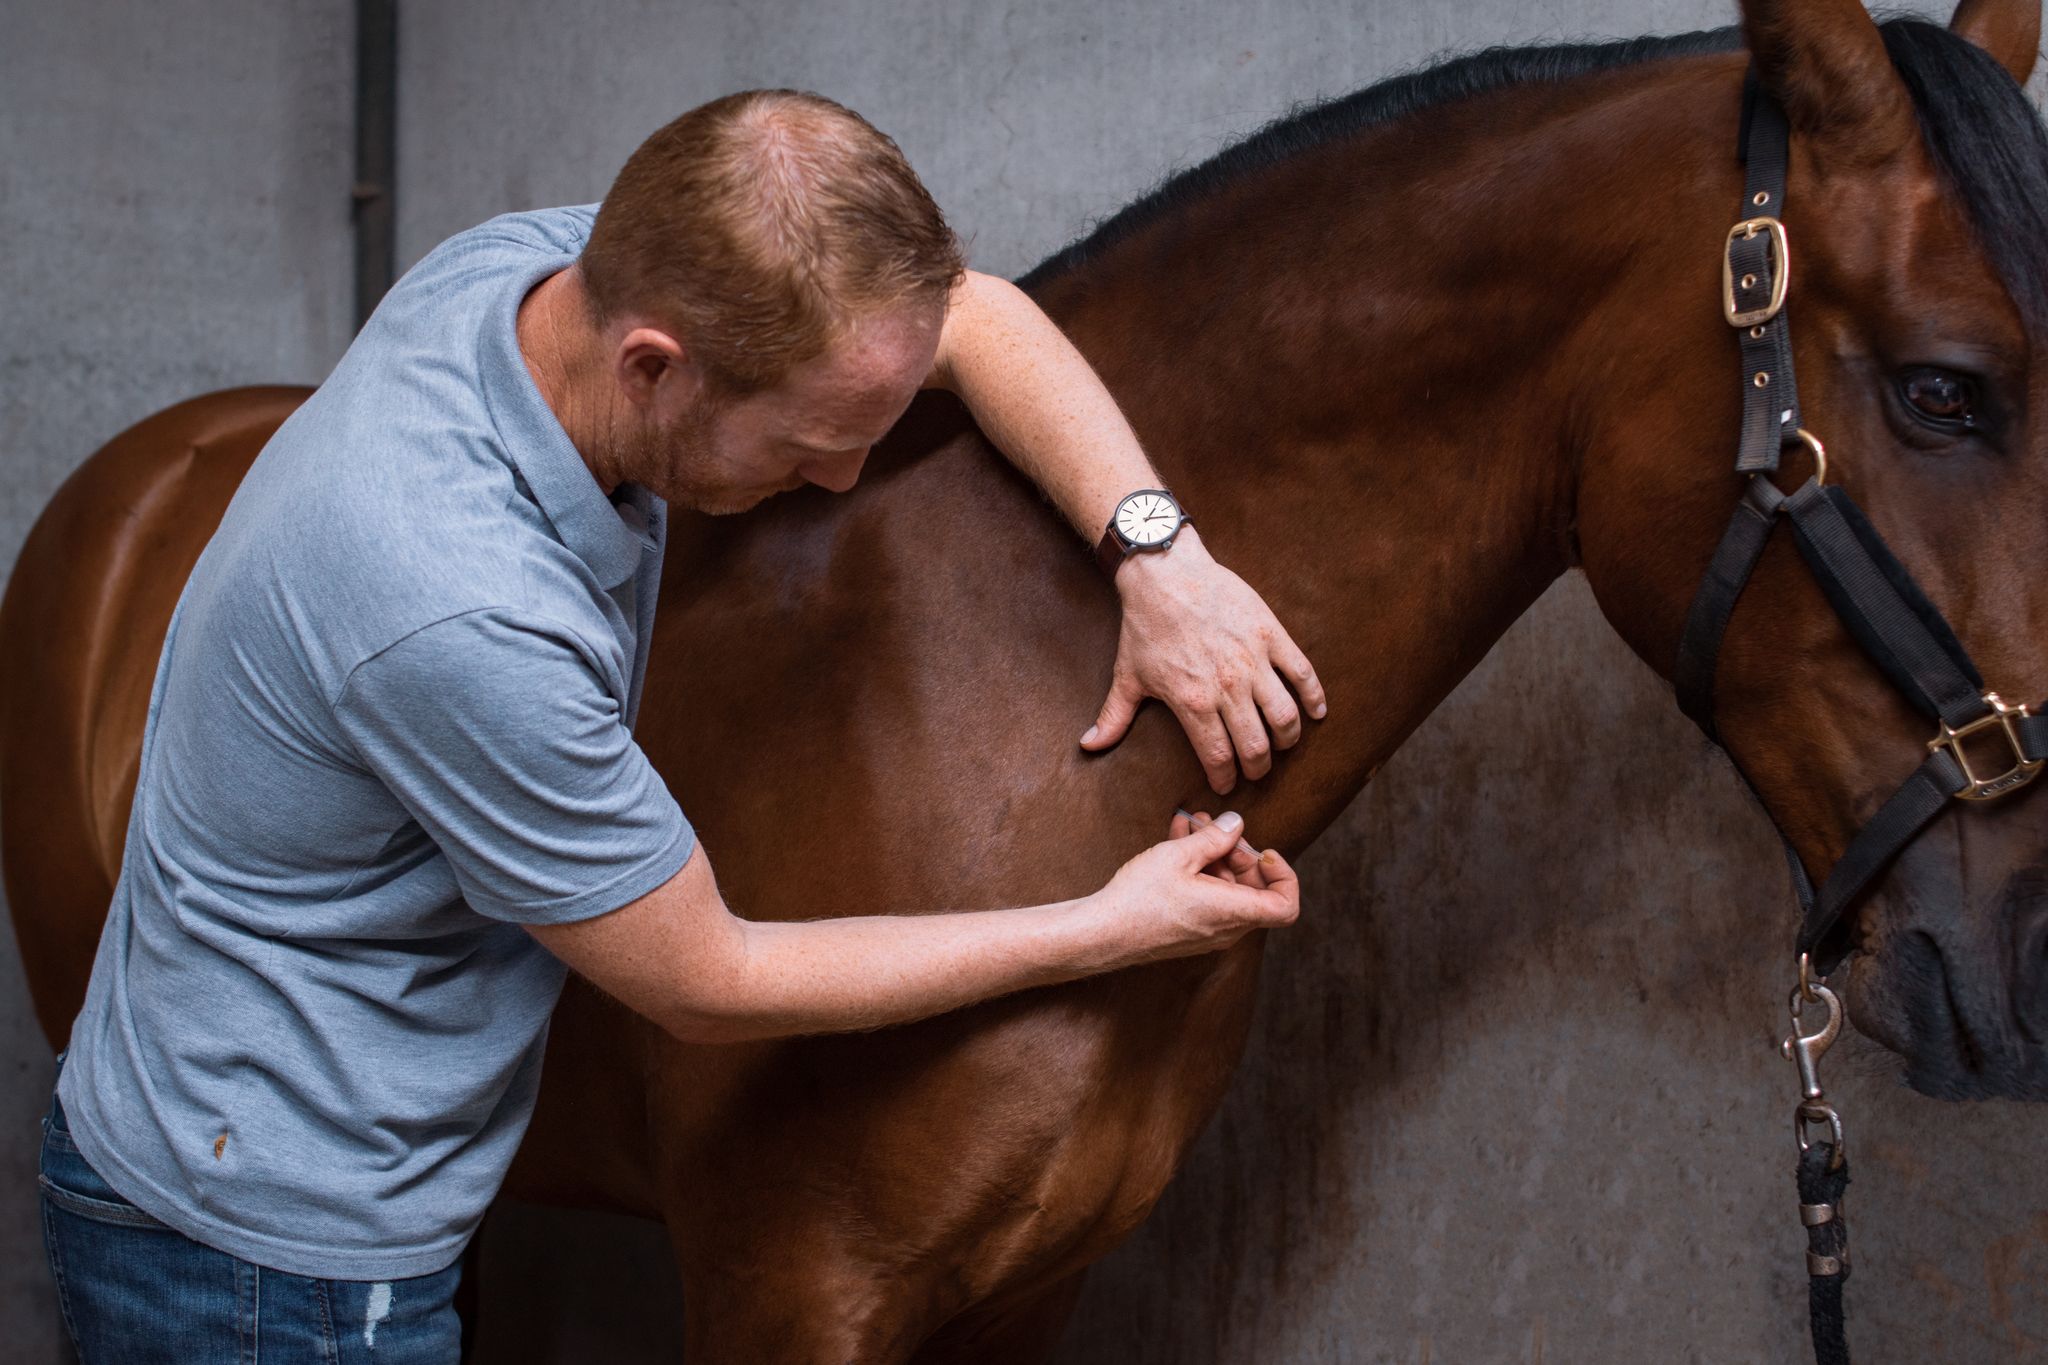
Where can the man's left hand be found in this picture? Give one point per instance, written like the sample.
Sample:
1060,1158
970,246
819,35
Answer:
1197,637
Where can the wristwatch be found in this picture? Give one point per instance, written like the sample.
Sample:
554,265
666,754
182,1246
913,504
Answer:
1144,522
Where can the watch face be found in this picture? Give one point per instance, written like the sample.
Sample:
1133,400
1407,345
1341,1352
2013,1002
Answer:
1148,518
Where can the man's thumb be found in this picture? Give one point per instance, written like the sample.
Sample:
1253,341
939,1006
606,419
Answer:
1115,717
1211,841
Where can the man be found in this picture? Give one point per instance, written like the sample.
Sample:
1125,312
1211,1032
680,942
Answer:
389,787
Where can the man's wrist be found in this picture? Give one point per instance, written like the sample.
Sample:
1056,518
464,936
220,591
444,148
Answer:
1086,936
1143,569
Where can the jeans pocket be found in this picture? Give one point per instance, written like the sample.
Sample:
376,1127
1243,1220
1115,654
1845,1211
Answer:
70,1183
118,1214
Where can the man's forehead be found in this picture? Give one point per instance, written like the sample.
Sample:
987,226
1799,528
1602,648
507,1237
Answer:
871,366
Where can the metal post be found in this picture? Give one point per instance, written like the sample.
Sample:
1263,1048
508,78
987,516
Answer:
376,190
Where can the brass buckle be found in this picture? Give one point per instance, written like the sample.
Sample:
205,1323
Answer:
1781,271
2023,769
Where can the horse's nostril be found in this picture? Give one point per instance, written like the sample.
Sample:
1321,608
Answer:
1942,1050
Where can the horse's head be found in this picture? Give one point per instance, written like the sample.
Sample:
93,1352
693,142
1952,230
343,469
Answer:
1917,212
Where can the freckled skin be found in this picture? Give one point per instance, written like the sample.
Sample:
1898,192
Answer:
1398,436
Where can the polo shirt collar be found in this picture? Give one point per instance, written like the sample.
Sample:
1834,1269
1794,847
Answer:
589,523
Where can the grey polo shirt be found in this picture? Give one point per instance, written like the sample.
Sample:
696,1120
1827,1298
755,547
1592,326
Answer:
391,723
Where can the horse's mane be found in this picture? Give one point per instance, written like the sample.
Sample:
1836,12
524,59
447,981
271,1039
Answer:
1983,132
1986,137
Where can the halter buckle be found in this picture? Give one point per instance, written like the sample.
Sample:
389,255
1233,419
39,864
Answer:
2023,769
1780,271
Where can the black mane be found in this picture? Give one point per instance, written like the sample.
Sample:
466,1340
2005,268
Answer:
1984,134
1309,126
1986,137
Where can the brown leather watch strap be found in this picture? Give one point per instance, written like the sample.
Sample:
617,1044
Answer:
1109,552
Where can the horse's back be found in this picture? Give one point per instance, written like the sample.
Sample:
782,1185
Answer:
81,625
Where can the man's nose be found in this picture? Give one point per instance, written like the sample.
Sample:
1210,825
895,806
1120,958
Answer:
837,473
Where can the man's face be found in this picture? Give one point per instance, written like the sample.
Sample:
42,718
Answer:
814,427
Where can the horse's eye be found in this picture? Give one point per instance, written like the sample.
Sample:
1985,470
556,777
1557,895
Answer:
1941,398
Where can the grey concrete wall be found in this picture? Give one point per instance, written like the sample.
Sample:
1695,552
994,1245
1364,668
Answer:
174,218
1511,1094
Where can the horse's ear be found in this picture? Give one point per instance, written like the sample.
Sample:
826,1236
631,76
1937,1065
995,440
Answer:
1825,63
2009,30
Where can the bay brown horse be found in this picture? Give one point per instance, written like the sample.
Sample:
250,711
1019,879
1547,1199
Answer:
1408,357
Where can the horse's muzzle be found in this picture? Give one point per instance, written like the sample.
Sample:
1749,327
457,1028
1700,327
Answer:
1970,1025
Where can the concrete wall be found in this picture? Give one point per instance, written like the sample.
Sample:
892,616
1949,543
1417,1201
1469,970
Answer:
1511,1095
174,212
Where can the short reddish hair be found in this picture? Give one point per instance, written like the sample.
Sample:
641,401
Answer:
758,226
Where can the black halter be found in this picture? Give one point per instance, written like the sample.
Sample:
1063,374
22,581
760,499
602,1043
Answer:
1892,620
1877,599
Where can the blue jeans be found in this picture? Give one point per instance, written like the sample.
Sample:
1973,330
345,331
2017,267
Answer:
136,1292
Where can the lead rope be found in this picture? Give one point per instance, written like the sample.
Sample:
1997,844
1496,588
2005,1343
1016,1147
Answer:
1823,1171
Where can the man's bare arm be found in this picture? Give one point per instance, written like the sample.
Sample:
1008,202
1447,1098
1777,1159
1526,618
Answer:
679,957
1195,635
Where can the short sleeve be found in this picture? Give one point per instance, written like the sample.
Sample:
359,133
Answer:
496,731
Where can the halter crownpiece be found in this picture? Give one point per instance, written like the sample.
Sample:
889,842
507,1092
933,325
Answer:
1892,620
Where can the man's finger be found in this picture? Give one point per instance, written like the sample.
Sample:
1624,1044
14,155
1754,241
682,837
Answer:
1301,674
1235,865
1252,877
1259,870
1248,734
1212,746
1114,719
1283,715
1274,873
1263,907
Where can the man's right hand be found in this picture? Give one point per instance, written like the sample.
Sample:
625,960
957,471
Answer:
1202,889
678,956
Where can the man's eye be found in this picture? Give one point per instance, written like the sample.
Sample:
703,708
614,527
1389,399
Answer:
1941,398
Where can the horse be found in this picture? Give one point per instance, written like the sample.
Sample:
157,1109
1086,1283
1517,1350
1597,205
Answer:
1408,356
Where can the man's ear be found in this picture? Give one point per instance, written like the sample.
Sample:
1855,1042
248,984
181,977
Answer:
1824,61
2009,30
647,359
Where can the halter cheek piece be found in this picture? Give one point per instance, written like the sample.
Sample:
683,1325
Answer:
1893,621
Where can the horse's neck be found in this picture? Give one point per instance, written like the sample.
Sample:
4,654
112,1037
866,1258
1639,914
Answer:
1369,373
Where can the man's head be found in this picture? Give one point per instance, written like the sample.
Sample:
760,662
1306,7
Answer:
767,278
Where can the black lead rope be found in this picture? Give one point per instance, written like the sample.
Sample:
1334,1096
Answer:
1827,1251
1894,623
